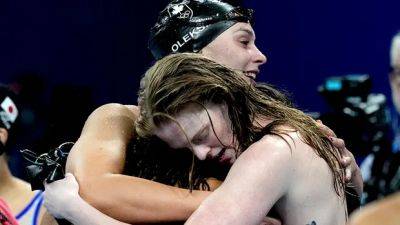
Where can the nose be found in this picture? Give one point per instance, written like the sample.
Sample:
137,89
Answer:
201,151
258,56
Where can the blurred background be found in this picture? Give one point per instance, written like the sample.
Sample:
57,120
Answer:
66,58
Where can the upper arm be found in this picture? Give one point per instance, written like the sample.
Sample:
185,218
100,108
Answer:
101,146
100,149
256,181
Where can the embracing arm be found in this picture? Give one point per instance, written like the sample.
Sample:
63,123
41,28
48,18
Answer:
254,184
62,200
97,160
353,176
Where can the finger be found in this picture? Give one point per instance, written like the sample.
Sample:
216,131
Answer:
348,174
326,130
338,143
345,161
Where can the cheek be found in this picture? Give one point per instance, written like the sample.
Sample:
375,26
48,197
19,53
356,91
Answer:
396,93
395,84
242,59
236,61
226,134
230,55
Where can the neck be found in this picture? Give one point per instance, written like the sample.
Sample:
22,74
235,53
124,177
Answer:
5,174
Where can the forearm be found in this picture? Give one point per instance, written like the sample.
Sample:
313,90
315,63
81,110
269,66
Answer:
84,214
135,200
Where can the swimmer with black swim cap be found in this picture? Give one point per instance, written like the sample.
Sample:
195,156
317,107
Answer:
215,29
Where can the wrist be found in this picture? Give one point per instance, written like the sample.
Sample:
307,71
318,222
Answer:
74,208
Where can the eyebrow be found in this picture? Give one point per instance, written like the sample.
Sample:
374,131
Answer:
247,30
176,145
199,133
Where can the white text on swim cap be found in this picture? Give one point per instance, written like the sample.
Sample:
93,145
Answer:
186,38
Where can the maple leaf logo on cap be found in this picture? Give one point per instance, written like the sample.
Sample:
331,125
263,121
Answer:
181,10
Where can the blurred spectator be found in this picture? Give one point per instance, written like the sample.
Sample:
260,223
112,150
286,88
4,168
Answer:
387,210
24,204
381,168
394,78
30,88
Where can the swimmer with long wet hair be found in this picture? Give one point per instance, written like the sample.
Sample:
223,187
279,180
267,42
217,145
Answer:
214,29
280,157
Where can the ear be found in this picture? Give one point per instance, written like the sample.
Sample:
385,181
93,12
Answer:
3,135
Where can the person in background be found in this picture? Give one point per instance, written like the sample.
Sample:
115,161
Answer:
24,204
394,79
386,211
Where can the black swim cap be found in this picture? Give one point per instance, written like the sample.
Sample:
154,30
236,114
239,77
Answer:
190,25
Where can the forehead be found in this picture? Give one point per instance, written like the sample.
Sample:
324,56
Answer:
239,27
187,122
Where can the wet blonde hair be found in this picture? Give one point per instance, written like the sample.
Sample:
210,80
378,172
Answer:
179,79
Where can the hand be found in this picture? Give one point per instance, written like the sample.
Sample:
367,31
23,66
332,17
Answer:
60,196
347,161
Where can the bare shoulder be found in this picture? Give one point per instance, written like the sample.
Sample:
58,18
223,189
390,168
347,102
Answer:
290,144
273,147
271,153
283,154
105,136
114,109
111,117
309,182
133,108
